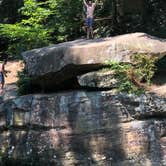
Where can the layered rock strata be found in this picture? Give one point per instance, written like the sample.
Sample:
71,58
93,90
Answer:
83,128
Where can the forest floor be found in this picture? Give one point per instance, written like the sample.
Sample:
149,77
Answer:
13,67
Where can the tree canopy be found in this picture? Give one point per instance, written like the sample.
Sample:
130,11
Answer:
43,22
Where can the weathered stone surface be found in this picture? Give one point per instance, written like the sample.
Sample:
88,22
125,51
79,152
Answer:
98,79
84,128
18,112
135,142
9,92
148,106
120,48
54,110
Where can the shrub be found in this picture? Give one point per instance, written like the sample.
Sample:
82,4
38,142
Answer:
144,68
31,31
122,75
131,76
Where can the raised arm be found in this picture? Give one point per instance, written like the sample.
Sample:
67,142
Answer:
85,3
95,3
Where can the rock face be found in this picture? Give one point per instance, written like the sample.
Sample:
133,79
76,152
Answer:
121,49
83,128
58,66
99,79
9,92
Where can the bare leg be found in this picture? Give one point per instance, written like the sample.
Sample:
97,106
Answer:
1,88
91,31
88,32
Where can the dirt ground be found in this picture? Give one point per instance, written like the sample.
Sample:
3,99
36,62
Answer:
158,86
12,68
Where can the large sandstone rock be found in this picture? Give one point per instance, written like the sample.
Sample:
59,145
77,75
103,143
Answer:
57,67
83,128
99,79
120,48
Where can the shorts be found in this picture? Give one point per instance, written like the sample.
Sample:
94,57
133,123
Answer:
1,78
89,22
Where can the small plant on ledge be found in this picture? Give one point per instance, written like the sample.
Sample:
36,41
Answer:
134,77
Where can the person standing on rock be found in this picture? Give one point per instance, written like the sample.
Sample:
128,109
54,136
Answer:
2,73
90,7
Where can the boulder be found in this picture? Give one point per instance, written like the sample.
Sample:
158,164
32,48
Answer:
57,67
80,52
83,128
98,79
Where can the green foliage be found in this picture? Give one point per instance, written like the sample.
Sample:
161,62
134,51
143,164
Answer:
44,22
30,32
142,70
35,12
24,37
124,82
66,19
145,67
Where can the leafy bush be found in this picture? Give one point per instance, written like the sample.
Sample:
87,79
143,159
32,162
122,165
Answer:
24,37
131,76
42,23
31,31
48,21
124,81
144,68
